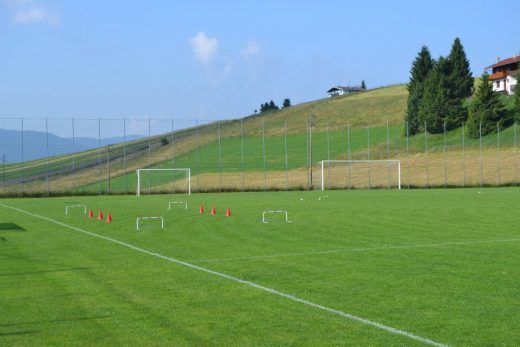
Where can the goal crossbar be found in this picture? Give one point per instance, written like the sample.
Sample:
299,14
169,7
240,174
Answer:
138,172
366,161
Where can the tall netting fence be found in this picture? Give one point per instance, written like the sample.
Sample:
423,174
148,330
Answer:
62,156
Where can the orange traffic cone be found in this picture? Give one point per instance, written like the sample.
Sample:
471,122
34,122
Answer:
228,212
100,215
109,217
213,212
90,214
201,209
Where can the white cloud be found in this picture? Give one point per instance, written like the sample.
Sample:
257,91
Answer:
251,49
204,47
29,12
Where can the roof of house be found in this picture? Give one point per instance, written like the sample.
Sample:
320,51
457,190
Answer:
345,89
512,60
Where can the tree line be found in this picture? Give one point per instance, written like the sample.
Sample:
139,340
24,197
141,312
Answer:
438,93
271,106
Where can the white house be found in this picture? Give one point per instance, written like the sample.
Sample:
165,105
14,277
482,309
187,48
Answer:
504,74
339,90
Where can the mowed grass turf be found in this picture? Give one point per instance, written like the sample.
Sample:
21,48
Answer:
442,265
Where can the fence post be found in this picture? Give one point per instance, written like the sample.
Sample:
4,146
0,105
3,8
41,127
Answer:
368,155
516,151
219,160
388,154
108,162
445,163
149,155
480,150
124,153
73,157
407,154
328,158
463,158
242,151
263,154
498,154
47,152
197,152
99,156
21,181
173,155
348,158
426,153
286,156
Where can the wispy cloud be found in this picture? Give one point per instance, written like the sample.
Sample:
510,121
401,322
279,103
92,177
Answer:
251,49
205,48
30,12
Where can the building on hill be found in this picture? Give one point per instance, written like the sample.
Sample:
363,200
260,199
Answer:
505,74
339,90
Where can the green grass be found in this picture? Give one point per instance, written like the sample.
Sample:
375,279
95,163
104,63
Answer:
441,264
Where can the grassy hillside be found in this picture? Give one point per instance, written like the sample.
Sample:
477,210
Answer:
355,126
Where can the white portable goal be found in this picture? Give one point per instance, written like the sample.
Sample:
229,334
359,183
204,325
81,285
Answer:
140,219
171,204
264,220
164,180
360,173
83,207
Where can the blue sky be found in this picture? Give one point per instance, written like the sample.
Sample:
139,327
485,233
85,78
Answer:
211,60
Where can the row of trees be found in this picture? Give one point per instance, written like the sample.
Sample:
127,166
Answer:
437,90
271,106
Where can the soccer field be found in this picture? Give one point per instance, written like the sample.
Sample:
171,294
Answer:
379,267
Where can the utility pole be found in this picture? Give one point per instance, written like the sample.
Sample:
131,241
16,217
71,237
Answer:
310,123
4,160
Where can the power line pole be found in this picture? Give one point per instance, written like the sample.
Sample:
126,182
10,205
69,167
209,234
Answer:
4,160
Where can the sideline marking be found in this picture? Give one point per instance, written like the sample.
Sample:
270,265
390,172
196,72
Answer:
347,250
245,282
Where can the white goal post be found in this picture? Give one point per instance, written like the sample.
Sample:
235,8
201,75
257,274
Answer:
139,171
349,162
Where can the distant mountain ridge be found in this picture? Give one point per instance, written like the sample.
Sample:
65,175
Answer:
35,144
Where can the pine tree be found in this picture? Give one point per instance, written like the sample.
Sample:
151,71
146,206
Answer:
286,103
363,85
461,78
487,108
421,67
438,106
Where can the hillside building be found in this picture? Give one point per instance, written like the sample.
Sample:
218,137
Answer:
339,90
505,74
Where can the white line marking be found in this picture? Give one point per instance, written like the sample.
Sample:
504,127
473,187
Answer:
347,250
239,280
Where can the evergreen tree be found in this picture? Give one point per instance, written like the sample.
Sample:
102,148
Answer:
272,105
461,78
438,105
286,103
363,85
421,67
487,108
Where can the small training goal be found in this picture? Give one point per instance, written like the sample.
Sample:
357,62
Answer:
157,181
365,174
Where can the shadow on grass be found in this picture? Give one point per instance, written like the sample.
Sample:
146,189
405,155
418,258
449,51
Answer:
43,271
63,320
23,332
11,227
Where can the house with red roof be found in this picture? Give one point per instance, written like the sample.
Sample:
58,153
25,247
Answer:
505,74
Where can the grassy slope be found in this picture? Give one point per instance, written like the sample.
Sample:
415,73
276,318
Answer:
439,279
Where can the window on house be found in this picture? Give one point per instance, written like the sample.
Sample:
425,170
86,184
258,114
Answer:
498,84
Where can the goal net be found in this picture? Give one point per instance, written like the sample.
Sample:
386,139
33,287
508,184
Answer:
359,174
163,181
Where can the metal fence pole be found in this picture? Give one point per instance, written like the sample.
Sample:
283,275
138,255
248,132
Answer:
21,181
407,154
242,151
426,153
516,151
463,158
480,150
47,152
173,156
349,158
73,157
99,156
197,152
124,153
263,154
286,156
149,156
328,158
445,162
368,156
498,154
219,161
108,165
388,154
